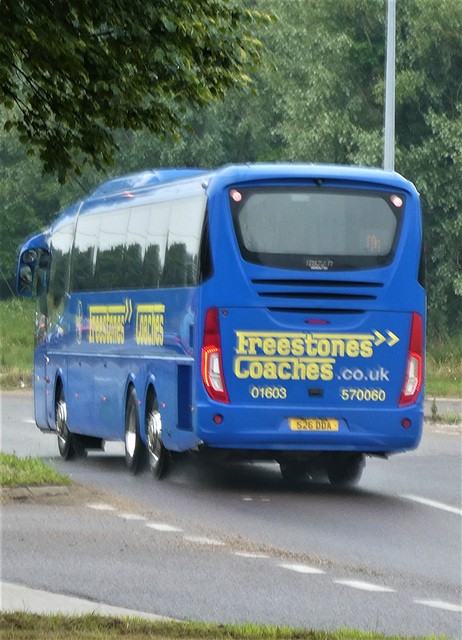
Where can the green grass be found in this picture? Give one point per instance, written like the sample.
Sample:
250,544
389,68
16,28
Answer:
444,357
444,368
25,626
16,342
16,471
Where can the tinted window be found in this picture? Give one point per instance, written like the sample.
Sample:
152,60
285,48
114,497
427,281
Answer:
61,243
150,246
84,253
109,264
155,244
308,228
184,239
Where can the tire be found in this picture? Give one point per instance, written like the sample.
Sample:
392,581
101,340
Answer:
292,470
134,448
66,441
159,457
346,471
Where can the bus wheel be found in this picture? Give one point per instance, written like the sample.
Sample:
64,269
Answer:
133,443
66,445
293,470
159,458
346,471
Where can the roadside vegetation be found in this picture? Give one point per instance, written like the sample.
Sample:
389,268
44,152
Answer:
16,472
444,355
25,626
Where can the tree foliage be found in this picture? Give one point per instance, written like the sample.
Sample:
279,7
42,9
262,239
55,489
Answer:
73,72
320,100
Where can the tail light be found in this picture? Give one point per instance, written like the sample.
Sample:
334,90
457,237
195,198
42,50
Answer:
414,370
212,363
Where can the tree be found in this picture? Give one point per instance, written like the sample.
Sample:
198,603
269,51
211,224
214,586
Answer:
72,72
331,106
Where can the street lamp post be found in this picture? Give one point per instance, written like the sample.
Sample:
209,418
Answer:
389,136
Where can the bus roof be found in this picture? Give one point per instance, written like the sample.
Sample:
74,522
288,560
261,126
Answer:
114,192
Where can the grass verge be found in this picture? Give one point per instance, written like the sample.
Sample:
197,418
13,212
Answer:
16,471
443,366
25,626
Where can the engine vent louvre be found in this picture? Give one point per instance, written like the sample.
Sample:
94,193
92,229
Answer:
304,295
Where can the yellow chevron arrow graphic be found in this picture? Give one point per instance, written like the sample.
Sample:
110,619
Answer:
379,338
392,339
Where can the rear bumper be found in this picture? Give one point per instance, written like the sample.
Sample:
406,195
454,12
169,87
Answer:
361,430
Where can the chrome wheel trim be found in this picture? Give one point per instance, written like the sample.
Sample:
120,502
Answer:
61,423
154,436
131,432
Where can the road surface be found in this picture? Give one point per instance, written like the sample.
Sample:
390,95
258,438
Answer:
237,544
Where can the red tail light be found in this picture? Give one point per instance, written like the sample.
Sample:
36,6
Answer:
212,363
414,371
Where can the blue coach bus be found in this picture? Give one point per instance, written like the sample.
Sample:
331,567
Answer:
270,312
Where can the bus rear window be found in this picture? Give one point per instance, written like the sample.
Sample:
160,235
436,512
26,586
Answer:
316,228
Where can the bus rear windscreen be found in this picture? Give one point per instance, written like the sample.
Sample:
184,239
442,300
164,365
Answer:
316,228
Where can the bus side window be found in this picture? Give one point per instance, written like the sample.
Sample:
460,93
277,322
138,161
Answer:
205,254
155,245
83,253
109,259
184,237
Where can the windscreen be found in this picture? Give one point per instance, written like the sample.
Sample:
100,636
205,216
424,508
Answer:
316,228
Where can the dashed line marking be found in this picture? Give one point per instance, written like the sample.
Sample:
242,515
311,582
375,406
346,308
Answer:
364,586
204,540
100,506
439,604
433,503
298,568
301,568
161,526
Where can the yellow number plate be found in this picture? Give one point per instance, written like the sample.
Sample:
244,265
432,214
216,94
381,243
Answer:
313,424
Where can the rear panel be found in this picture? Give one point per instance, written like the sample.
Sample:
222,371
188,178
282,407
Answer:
316,281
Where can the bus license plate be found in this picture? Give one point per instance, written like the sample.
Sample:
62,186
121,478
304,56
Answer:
313,424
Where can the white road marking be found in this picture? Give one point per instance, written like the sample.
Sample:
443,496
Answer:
364,586
433,503
301,568
439,604
131,516
29,421
204,540
160,526
100,506
247,499
245,554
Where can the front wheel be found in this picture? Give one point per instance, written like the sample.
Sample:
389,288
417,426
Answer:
134,447
66,444
159,457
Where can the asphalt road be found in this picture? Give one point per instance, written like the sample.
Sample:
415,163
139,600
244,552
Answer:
235,543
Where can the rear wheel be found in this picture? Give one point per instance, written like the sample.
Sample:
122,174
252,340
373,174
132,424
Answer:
293,470
346,471
159,457
134,447
66,441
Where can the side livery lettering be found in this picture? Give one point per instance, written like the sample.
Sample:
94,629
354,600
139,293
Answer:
107,322
150,324
302,355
